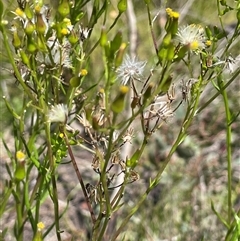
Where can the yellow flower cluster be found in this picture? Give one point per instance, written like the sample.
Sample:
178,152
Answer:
172,14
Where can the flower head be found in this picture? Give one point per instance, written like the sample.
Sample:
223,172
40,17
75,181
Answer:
192,36
19,14
59,53
38,236
160,109
58,113
84,33
83,120
129,135
20,156
130,69
172,14
232,64
40,226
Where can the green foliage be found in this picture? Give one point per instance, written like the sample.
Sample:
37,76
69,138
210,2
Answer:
79,89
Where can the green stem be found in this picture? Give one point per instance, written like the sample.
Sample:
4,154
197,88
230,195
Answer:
103,180
80,179
236,74
151,29
19,213
56,207
28,206
229,152
37,189
51,164
187,121
11,60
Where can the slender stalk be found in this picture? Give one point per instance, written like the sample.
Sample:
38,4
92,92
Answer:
151,29
229,151
52,173
186,123
19,213
37,188
28,207
56,207
236,74
103,179
80,179
16,71
4,200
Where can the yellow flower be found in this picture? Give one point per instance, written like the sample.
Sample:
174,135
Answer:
83,72
40,226
172,13
38,8
20,156
20,13
38,236
208,43
194,45
64,31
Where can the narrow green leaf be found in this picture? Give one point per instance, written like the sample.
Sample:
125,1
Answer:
1,10
218,215
132,162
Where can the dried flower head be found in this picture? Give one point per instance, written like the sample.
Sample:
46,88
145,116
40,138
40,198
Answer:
59,53
83,120
160,109
192,36
133,176
129,135
232,64
58,113
84,33
130,69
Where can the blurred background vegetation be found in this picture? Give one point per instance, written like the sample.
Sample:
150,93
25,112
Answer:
180,207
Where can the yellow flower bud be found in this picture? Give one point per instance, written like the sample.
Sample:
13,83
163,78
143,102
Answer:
83,72
24,58
167,40
38,235
75,81
30,27
28,11
73,38
147,94
16,40
40,24
64,31
119,102
31,46
20,13
208,43
20,156
64,8
122,6
41,225
20,172
120,53
103,38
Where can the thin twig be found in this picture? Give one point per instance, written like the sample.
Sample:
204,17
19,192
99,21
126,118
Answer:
80,179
